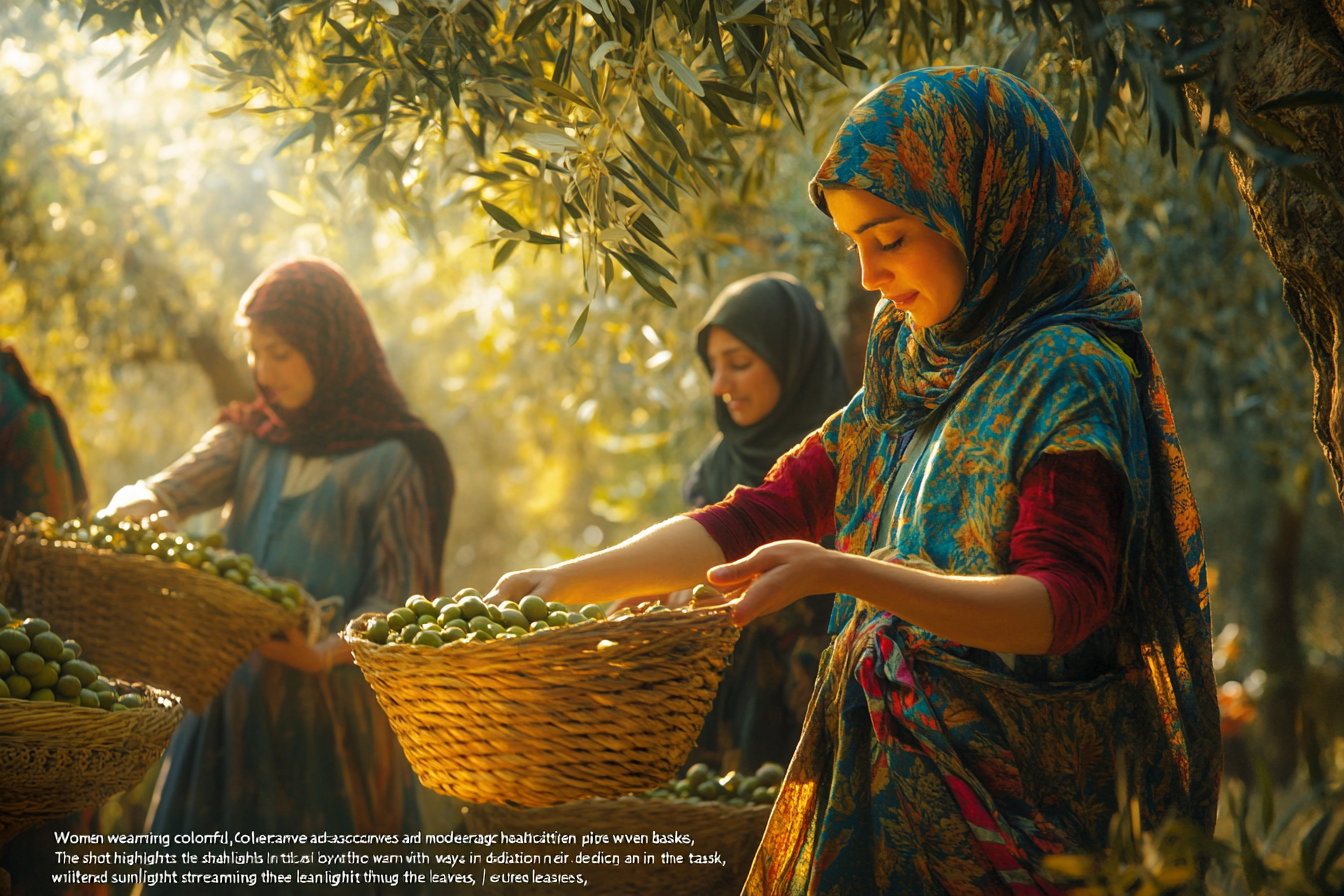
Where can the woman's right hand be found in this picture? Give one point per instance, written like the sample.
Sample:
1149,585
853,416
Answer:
548,584
137,502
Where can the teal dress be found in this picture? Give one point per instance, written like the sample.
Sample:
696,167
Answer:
280,750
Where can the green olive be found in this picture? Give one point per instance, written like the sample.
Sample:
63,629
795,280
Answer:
534,608
428,639
513,618
472,607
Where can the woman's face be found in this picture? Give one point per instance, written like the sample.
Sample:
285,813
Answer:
918,269
279,368
741,378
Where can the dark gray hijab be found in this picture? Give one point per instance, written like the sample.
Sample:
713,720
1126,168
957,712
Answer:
776,317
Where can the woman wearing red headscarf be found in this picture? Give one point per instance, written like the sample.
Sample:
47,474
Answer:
327,479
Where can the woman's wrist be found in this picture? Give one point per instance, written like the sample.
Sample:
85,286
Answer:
845,573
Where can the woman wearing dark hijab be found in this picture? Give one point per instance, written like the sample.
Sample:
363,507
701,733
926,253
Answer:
776,376
776,319
333,482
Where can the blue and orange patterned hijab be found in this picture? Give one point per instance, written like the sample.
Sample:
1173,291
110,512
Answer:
982,158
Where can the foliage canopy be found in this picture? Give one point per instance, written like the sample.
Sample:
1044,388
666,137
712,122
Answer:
587,124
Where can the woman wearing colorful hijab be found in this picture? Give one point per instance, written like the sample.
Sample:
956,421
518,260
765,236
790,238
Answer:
330,480
776,376
1023,606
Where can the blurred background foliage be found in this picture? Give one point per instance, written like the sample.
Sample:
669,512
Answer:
131,220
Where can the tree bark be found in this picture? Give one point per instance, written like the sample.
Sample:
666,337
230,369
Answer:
227,380
1301,228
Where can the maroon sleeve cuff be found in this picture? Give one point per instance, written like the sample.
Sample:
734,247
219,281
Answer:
797,500
729,526
1067,538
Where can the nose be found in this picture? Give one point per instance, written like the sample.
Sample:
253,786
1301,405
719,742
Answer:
718,381
261,370
874,274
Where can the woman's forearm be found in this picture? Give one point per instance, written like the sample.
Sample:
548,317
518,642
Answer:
669,556
1008,614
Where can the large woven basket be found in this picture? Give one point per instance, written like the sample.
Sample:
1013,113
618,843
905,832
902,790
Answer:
733,832
56,758
165,624
600,709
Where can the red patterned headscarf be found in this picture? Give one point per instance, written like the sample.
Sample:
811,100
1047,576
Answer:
355,403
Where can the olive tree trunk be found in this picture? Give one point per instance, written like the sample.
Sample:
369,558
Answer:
1301,227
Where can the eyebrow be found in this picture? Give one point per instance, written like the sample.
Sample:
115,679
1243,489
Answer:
874,223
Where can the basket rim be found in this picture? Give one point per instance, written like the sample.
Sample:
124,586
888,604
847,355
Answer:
175,567
678,618
629,799
9,706
13,705
60,726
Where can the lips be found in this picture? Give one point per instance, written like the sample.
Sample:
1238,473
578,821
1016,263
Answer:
905,300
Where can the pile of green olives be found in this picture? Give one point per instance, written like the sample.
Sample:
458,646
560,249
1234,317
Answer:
466,617
39,665
207,554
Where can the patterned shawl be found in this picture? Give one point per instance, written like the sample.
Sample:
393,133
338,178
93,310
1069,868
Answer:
355,404
1043,354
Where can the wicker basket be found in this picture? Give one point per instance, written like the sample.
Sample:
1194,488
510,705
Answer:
600,709
165,624
58,758
732,832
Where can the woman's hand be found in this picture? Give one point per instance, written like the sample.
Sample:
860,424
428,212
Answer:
544,583
295,651
776,575
137,502
1006,613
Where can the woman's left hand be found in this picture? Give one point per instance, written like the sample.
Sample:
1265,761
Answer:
295,651
774,576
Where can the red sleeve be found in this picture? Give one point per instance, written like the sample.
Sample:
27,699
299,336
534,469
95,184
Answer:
797,500
1067,537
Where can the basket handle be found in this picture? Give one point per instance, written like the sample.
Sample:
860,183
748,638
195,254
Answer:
321,614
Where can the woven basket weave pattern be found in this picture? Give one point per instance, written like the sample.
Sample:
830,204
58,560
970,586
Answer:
58,758
733,832
143,619
600,709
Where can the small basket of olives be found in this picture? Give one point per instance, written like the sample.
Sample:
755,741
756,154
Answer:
197,609
69,736
537,703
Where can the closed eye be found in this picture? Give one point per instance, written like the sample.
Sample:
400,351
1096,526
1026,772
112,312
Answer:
887,247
